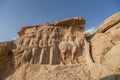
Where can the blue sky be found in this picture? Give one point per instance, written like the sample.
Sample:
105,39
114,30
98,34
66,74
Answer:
14,14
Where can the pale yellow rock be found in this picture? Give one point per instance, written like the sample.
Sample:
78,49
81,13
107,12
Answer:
113,57
100,45
109,22
114,33
41,51
6,60
98,72
57,72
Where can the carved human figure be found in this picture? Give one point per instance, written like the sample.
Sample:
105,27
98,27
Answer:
26,41
26,56
54,52
38,35
19,43
69,36
51,44
68,48
17,54
33,47
43,46
79,37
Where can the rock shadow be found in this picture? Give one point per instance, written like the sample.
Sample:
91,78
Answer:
111,77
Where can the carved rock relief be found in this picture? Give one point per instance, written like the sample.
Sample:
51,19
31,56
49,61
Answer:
52,45
60,42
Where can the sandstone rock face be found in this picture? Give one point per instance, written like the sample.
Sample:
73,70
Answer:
106,36
109,23
112,57
114,33
61,50
73,72
6,60
100,45
52,43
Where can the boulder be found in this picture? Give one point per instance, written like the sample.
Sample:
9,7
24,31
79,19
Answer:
112,57
100,45
114,33
108,23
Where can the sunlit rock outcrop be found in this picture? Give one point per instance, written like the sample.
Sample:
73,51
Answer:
60,50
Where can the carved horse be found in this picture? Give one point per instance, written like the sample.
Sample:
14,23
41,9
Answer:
68,48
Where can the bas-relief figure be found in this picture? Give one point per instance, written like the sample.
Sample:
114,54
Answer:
54,57
19,43
26,41
73,48
33,46
56,44
26,56
38,36
43,44
63,42
70,47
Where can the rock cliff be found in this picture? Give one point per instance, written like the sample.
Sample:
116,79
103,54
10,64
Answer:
60,50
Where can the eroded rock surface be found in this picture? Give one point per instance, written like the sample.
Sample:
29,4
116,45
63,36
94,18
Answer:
6,60
57,72
54,43
61,50
113,56
109,23
100,45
